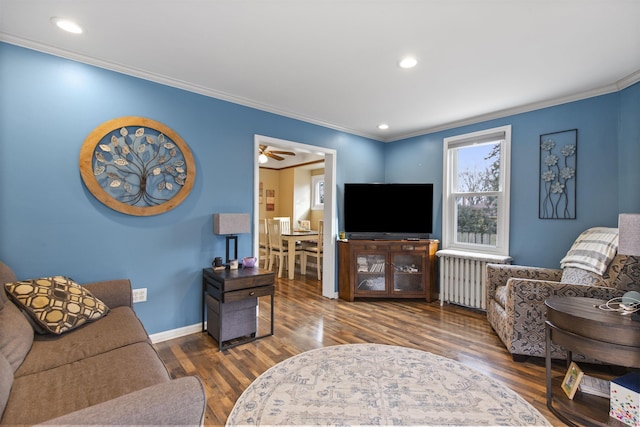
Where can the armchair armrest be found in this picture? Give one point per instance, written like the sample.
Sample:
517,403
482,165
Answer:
114,293
499,274
176,402
526,310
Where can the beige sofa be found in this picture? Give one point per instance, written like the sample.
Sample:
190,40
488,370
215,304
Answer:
103,372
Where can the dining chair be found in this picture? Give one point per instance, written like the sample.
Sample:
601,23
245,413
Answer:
304,224
314,251
263,242
277,249
285,223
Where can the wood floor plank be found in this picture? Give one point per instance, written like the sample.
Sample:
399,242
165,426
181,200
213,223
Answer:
305,320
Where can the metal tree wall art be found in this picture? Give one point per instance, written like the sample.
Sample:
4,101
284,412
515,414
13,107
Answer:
137,166
558,161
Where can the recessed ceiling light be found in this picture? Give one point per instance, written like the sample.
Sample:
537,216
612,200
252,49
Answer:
67,25
408,62
383,126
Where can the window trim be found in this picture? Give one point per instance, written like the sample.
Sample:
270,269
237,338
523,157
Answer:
315,181
448,197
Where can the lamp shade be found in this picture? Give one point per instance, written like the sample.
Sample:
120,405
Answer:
231,223
629,234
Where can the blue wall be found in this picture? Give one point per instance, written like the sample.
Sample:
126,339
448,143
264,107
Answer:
51,224
629,150
605,177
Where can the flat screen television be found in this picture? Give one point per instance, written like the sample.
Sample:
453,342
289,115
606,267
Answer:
388,211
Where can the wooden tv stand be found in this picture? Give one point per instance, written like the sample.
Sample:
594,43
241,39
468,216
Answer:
387,269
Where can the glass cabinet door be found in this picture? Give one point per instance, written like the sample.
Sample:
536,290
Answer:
407,273
371,272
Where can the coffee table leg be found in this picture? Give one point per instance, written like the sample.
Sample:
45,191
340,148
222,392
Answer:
547,332
272,313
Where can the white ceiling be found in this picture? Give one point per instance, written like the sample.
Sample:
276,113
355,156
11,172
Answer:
303,158
334,62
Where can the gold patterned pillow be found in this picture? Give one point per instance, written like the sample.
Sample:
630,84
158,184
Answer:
57,304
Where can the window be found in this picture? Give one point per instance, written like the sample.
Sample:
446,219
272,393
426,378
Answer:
317,192
476,191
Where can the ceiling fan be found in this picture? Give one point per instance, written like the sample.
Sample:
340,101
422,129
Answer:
276,155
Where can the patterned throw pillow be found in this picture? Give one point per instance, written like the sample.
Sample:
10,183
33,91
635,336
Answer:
578,276
57,304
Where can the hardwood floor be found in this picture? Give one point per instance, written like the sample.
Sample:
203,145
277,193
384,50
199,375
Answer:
305,320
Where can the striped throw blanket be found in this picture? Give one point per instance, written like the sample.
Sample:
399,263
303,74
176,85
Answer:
593,250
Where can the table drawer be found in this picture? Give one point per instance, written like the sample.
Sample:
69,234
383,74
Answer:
371,247
265,280
214,291
247,293
248,282
405,247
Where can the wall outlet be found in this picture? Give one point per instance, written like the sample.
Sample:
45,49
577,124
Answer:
140,295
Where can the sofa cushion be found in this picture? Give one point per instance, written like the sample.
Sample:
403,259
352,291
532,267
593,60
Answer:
16,335
6,381
55,392
57,304
120,328
501,296
180,402
6,275
628,277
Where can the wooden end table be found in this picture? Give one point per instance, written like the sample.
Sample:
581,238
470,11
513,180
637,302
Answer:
227,286
577,324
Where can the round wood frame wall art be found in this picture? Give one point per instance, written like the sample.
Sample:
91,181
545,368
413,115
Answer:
137,166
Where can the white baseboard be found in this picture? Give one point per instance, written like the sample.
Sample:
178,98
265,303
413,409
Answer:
176,333
187,330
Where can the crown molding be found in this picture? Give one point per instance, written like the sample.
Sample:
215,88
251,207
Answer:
614,87
629,80
179,84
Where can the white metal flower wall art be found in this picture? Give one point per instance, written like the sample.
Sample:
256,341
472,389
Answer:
137,166
558,154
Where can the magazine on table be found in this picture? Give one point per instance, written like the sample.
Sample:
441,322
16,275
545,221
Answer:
595,386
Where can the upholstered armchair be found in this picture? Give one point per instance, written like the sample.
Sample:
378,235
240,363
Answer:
516,296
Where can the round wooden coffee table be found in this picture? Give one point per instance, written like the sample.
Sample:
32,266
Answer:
580,326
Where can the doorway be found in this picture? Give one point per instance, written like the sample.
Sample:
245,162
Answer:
330,208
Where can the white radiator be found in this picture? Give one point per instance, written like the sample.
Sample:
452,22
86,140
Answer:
462,277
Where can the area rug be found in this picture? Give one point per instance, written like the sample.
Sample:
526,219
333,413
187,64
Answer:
374,384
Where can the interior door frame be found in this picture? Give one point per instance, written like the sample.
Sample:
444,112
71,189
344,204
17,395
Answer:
330,208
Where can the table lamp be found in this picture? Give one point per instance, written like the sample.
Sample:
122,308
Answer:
230,225
629,244
629,234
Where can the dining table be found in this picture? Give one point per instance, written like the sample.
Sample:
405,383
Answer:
291,238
